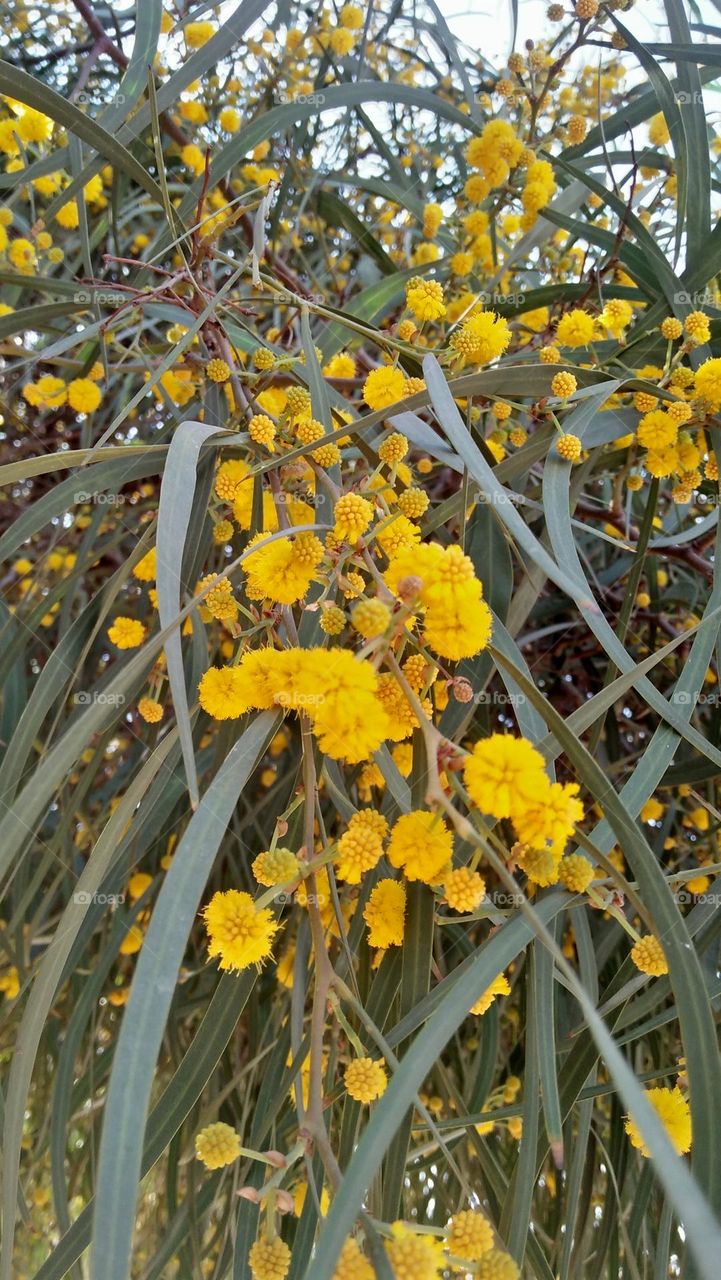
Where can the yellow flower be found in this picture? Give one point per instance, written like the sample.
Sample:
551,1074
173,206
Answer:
497,1264
222,693
576,872
218,370
503,772
648,956
198,33
84,396
268,1259
657,430
470,1235
229,120
145,570
283,570
421,844
23,256
352,1264
482,337
576,328
413,1256
132,942
424,299
191,155
239,933
126,633
276,866
673,1111
217,1145
353,515
499,987
47,393
10,982
464,889
365,1079
384,914
384,387
707,383
150,711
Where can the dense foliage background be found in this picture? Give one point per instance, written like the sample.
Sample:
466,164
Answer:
269,268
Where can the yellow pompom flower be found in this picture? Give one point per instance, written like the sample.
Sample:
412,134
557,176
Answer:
126,633
568,446
696,327
464,889
229,120
413,1256
283,570
198,33
384,387
353,515
150,711
370,618
648,956
673,1111
470,1235
84,396
420,844
671,329
352,1264
146,569
499,987
481,338
548,820
497,1264
132,942
657,430
384,914
229,476
239,933
22,255
576,328
707,383
217,1145
563,385
360,849
503,771
269,1259
261,430
365,1079
218,370
223,694
424,299
576,872
276,866
394,448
